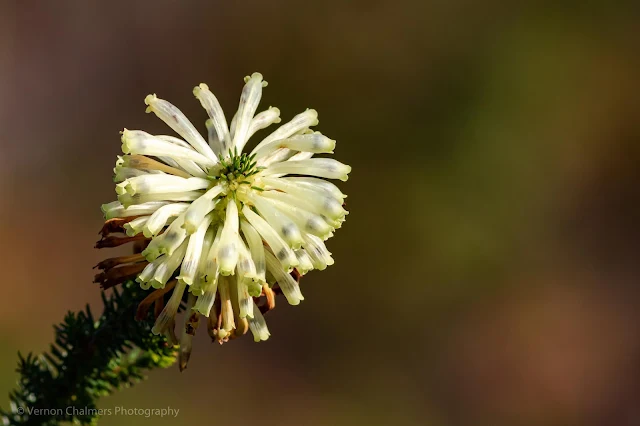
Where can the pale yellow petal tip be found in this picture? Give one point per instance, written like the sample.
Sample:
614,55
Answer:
258,338
256,76
150,99
225,272
345,177
331,146
190,228
201,311
151,255
121,188
314,114
123,138
186,280
130,231
202,87
276,111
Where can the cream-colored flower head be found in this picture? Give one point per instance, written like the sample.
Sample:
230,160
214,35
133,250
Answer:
226,224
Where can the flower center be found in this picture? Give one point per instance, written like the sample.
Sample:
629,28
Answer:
235,171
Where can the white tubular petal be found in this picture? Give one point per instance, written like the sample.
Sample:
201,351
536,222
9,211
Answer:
300,156
227,254
173,163
277,156
322,167
287,284
334,223
208,297
313,142
174,236
170,310
317,251
142,143
191,260
167,267
116,209
228,323
162,183
304,262
256,249
264,120
211,267
246,267
295,208
285,227
175,119
199,208
145,163
159,218
143,199
123,173
245,301
317,184
152,252
196,213
121,188
283,252
135,226
210,103
190,166
199,282
214,141
147,274
258,325
316,200
232,126
207,281
301,121
282,154
113,207
249,100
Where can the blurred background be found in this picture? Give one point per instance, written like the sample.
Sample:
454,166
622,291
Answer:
488,271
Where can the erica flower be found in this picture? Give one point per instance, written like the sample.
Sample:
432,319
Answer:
223,228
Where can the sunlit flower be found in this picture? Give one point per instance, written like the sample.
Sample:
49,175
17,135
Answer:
224,229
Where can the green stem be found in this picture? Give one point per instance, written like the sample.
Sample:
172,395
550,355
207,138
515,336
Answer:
88,360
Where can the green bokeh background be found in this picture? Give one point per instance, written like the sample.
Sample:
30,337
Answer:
488,271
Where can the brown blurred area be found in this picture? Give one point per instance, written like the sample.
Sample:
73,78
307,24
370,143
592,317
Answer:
488,271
